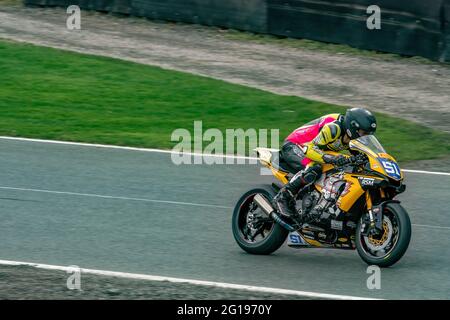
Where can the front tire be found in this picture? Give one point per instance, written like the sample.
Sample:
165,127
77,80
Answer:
273,235
389,247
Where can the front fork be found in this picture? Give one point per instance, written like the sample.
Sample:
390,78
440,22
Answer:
373,224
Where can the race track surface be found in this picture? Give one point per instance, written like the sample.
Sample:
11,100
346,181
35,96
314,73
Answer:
136,212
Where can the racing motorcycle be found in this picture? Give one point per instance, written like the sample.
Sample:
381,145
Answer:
349,207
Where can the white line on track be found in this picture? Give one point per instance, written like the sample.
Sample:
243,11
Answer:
156,201
170,151
108,146
187,281
115,197
427,226
427,172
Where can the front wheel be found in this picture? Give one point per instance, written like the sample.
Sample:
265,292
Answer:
253,230
387,248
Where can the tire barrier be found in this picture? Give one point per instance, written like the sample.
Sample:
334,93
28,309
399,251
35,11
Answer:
445,55
248,15
407,27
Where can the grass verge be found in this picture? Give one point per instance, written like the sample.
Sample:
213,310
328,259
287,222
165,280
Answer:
53,94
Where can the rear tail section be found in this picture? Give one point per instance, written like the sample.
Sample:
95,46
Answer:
270,159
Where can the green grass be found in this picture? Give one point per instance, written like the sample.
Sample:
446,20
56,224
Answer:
11,2
52,94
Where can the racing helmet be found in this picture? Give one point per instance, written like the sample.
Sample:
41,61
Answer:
359,122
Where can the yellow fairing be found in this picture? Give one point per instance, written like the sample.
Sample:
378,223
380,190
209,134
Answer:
374,157
375,165
351,194
280,175
381,170
265,157
312,242
327,167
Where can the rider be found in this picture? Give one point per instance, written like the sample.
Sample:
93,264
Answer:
306,148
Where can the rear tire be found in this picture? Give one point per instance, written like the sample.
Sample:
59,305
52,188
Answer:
276,235
402,238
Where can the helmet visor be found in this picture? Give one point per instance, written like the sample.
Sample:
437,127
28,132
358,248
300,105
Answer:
363,133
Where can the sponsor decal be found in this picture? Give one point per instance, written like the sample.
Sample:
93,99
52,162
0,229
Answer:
392,169
366,181
296,239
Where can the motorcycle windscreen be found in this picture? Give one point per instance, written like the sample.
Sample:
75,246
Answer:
385,164
368,144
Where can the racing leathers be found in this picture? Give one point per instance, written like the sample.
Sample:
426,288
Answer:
305,149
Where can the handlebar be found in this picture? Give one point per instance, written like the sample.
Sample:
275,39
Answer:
358,159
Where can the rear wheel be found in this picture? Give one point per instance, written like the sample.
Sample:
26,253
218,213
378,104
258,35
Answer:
253,230
391,244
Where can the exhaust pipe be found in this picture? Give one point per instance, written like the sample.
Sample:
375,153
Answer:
267,208
263,204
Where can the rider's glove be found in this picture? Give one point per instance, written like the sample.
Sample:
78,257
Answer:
336,160
359,159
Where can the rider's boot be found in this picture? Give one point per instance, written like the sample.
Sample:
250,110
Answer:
284,201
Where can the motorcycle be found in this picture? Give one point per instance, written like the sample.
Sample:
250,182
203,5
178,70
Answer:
349,207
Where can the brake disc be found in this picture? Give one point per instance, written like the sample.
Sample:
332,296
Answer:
380,244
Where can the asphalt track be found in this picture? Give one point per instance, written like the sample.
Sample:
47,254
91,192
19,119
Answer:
137,212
